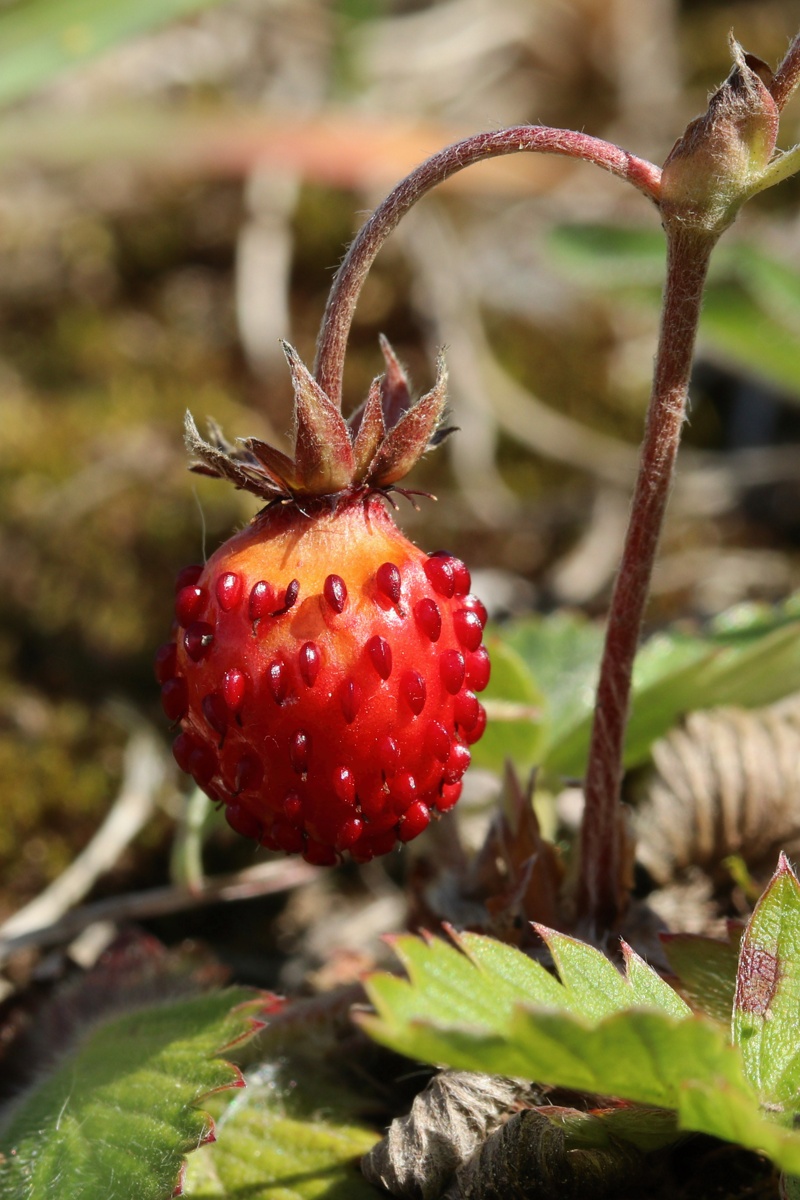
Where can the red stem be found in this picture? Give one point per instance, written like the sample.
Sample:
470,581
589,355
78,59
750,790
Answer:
350,276
601,896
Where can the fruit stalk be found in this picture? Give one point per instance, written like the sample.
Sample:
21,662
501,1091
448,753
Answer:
601,894
350,277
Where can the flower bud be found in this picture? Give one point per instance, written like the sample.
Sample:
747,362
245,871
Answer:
715,165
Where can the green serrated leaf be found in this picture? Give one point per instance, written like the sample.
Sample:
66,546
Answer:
648,989
636,1055
682,1063
41,38
768,992
514,977
483,982
593,984
116,1118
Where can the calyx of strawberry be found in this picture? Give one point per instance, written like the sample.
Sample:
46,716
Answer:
372,450
719,160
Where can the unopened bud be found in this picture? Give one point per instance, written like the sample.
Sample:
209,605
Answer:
715,165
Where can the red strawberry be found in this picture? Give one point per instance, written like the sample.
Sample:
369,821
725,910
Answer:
324,670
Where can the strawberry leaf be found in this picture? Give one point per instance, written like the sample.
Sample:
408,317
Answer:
281,1139
749,656
706,969
481,983
768,992
496,1011
121,1104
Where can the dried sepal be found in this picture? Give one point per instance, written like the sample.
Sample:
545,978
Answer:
275,463
331,455
532,1156
216,457
517,871
370,430
323,451
408,440
448,1122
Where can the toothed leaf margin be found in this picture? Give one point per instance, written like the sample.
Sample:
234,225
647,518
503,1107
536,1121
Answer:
118,1115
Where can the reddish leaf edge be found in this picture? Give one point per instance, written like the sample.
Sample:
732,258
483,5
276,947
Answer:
263,1004
760,970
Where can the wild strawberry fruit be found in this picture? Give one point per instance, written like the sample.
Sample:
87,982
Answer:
324,670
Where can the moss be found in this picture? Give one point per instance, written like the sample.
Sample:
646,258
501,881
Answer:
59,769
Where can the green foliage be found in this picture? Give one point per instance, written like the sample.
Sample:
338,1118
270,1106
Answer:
707,970
562,652
751,313
483,1006
296,1131
283,1139
768,993
41,38
748,656
115,1119
609,256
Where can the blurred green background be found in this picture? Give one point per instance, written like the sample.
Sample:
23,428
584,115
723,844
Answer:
178,181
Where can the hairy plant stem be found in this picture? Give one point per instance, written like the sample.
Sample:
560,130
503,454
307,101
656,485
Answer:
350,277
601,890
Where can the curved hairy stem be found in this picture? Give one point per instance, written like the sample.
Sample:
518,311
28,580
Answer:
601,897
537,138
